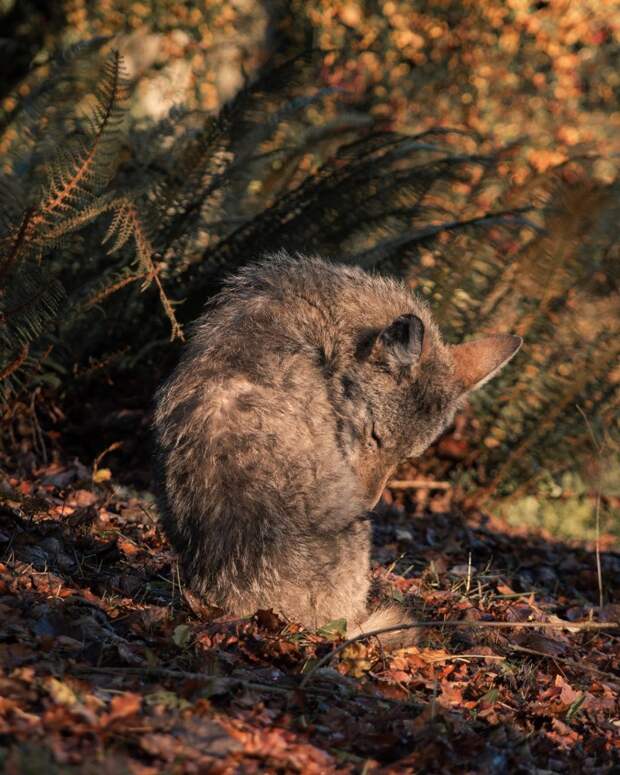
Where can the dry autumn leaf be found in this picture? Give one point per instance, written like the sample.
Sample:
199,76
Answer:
124,705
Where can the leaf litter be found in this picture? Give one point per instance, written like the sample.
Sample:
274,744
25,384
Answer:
106,658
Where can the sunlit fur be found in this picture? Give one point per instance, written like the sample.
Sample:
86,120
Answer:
279,429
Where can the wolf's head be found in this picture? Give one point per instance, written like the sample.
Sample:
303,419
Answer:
403,387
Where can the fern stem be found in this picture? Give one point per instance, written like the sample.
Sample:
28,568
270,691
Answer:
16,363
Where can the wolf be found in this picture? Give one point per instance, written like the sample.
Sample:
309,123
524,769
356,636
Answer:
303,386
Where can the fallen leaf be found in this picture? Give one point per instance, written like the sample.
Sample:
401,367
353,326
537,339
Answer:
562,734
567,694
182,635
356,658
160,745
334,629
60,692
82,498
127,547
124,705
451,695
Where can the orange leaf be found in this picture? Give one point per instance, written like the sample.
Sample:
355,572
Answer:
567,694
124,705
128,548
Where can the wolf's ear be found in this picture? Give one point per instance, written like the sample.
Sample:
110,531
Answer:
476,362
402,340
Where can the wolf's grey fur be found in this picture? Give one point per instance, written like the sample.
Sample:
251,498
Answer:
304,385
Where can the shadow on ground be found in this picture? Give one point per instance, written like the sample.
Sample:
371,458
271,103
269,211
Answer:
104,654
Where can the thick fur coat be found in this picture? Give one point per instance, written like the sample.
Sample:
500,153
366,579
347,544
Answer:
304,384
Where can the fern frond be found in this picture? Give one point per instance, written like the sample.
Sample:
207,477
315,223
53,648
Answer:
389,248
125,224
121,227
224,156
77,175
102,288
13,244
11,367
86,214
28,304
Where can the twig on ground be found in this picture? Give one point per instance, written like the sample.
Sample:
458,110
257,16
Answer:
185,675
225,682
417,484
583,666
574,626
452,657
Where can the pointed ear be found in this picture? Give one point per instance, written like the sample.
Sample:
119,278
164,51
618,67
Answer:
476,362
402,340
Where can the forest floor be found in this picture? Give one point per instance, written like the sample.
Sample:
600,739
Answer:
108,665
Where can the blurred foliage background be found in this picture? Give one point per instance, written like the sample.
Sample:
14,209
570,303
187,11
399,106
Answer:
472,148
